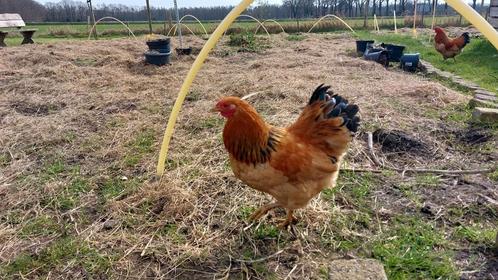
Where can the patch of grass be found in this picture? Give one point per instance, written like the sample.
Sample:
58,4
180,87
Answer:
494,176
193,95
459,114
67,251
407,189
172,164
52,170
171,230
356,187
211,122
114,187
140,146
4,159
413,249
266,231
246,42
296,37
69,197
144,141
476,234
40,226
428,180
246,211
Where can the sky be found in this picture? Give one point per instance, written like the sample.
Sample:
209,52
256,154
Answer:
167,3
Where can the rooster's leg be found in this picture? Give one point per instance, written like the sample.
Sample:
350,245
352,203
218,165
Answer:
289,220
263,210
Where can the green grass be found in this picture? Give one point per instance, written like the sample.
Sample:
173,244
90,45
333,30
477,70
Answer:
476,234
245,42
413,249
40,226
477,63
65,251
139,147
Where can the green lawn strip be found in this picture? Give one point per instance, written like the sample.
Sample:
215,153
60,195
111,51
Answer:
478,61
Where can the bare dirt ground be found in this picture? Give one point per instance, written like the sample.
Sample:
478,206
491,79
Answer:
80,130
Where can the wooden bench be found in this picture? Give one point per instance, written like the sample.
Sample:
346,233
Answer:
15,20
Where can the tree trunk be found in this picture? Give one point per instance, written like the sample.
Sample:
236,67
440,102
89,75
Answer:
426,3
387,8
365,14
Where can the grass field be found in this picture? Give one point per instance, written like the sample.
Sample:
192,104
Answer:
81,30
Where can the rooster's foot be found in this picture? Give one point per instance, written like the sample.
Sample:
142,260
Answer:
262,211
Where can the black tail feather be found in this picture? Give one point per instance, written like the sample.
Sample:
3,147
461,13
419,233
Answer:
320,94
466,38
336,106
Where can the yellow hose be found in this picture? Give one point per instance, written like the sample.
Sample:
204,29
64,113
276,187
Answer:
476,19
215,37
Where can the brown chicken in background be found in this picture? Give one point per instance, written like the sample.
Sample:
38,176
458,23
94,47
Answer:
291,164
448,47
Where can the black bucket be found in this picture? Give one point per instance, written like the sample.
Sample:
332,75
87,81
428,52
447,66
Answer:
380,56
361,45
395,51
157,58
161,45
409,62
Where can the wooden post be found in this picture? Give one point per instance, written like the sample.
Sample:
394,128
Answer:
92,15
415,18
178,26
365,15
148,13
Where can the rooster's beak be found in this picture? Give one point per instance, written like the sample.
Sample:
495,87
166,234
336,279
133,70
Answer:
214,110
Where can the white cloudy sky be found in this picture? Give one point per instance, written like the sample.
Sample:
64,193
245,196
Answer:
167,3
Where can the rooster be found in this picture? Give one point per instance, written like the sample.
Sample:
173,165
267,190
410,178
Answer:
449,48
291,164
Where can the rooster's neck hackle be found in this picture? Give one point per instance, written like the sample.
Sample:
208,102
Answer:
247,137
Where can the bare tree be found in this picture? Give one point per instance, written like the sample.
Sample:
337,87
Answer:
28,9
365,14
294,6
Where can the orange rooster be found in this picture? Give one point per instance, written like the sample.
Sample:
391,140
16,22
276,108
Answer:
449,48
291,164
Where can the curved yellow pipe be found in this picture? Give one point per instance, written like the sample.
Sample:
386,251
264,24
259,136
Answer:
267,20
215,37
330,15
113,18
202,25
186,26
257,20
476,19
